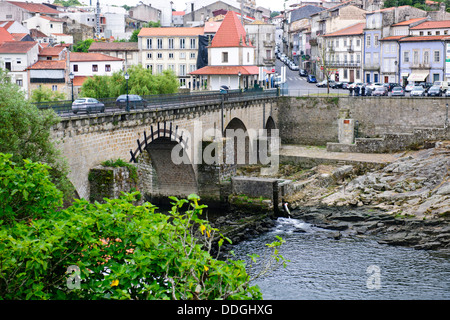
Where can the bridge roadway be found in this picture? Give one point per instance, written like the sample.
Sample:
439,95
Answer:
168,101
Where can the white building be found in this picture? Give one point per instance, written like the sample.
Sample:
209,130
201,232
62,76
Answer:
231,58
50,26
16,57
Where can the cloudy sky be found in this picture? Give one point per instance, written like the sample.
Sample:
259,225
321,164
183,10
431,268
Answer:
180,5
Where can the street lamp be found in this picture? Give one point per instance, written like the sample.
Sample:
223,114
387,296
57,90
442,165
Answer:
239,80
71,77
127,76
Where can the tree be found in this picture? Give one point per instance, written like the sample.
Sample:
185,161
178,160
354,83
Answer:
44,94
25,133
326,52
142,82
117,250
83,46
68,3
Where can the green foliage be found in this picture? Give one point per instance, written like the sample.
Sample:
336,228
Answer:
83,46
122,252
150,24
44,94
141,82
68,3
25,133
121,163
26,191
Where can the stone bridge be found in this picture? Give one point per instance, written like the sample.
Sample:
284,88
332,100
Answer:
153,137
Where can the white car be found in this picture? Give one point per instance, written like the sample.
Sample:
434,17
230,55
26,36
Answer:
375,85
409,87
417,91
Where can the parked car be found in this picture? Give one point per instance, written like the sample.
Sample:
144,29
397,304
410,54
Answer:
303,73
398,91
434,91
338,85
375,85
88,105
355,84
311,79
380,91
442,84
325,83
293,66
409,87
426,85
134,101
346,85
277,82
392,85
417,91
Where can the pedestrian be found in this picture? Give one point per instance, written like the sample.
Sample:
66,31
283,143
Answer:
363,90
351,90
356,90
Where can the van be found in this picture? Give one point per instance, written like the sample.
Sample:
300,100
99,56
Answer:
442,84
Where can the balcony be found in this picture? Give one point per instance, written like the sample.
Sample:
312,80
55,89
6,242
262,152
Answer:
339,64
350,49
269,43
371,66
269,61
420,66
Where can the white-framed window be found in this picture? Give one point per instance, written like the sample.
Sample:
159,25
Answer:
150,67
224,56
159,68
19,82
406,56
54,87
182,55
171,67
192,55
182,69
149,43
437,56
192,67
182,43
159,55
171,43
375,38
426,57
159,43
149,56
193,43
170,55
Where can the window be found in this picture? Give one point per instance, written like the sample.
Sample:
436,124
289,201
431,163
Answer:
358,42
182,43
368,41
415,57
358,58
159,55
426,57
358,74
159,68
149,43
437,56
193,43
107,67
95,68
224,57
438,33
429,33
150,67
9,16
268,54
406,56
248,57
159,43
171,43
192,55
182,55
171,55
421,33
345,73
192,67
149,56
54,87
19,61
19,82
75,68
51,25
171,67
182,70
376,40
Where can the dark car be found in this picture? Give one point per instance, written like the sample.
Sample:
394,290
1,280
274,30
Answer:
426,85
134,101
391,85
88,105
303,73
338,85
311,79
435,91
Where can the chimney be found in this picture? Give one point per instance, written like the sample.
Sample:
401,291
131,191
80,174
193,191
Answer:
192,11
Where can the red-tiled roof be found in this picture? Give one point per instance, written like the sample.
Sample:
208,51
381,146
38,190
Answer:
408,22
432,25
212,26
49,64
34,7
83,56
171,31
231,33
5,35
17,46
19,36
227,70
352,30
35,33
51,51
424,38
79,80
392,38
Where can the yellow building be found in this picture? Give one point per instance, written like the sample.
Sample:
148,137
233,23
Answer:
170,48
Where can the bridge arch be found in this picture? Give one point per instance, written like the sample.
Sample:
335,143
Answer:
240,153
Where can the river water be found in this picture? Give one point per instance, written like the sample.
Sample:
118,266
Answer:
352,268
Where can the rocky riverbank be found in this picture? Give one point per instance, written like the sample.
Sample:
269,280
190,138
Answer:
406,202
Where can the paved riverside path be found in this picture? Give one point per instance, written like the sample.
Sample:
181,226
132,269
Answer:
315,155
